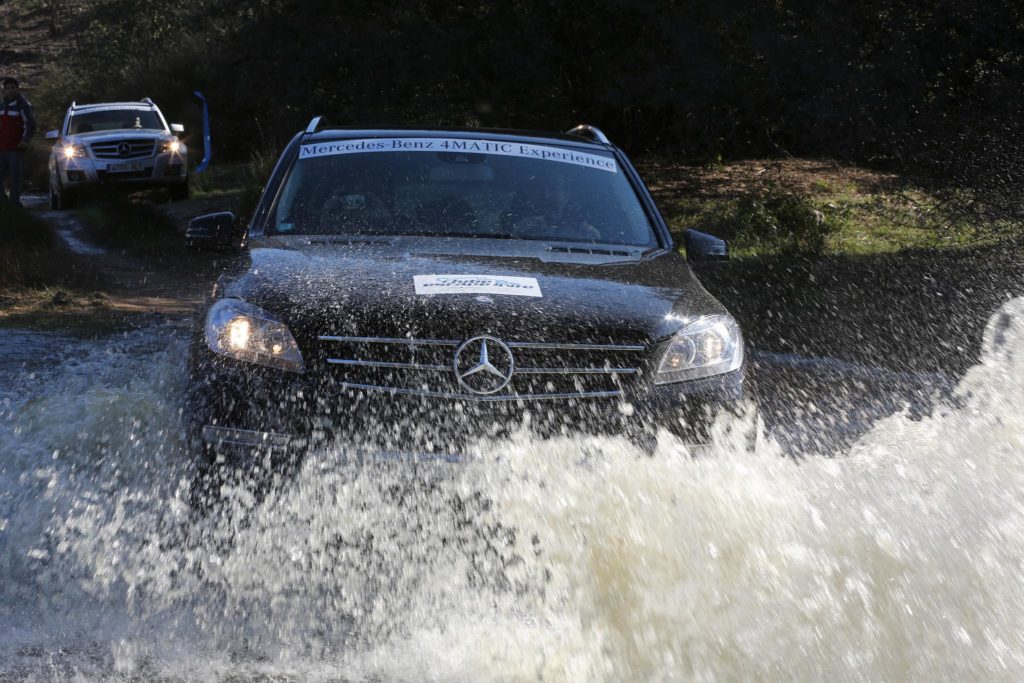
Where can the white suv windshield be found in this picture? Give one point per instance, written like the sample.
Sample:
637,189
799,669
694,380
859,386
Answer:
114,119
460,188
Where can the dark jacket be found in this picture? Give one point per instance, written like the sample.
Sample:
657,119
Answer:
17,123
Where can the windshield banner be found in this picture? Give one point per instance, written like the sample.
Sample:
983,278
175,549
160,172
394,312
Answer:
456,145
476,284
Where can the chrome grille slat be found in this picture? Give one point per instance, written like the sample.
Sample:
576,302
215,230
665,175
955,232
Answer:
523,370
386,364
577,371
493,398
548,370
512,344
390,340
555,346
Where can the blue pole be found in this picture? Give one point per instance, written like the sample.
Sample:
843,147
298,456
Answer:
206,134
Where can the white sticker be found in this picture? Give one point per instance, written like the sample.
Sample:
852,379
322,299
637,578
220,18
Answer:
497,147
477,284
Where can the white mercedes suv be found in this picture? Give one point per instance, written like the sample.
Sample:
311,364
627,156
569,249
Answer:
123,144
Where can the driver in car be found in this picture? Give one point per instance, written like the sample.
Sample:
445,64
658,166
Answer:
353,209
545,211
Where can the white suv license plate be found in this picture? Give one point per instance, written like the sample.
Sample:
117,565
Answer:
125,168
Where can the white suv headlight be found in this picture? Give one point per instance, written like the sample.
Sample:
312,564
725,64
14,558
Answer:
246,332
711,345
74,151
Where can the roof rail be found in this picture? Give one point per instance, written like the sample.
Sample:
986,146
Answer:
592,132
73,105
147,101
314,124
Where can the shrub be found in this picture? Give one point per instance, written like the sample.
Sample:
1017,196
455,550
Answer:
772,218
26,244
20,228
254,178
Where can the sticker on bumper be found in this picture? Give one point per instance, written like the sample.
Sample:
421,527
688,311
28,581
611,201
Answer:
477,284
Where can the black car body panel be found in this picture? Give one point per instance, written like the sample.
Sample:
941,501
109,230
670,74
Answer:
357,287
380,359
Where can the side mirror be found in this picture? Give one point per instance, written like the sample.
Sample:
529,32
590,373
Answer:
214,231
177,128
53,135
700,246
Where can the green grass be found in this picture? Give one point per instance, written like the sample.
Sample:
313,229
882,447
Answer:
26,246
768,217
217,180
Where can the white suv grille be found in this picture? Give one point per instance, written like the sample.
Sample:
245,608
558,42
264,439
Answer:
124,149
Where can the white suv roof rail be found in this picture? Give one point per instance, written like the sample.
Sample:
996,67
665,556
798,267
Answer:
314,124
138,104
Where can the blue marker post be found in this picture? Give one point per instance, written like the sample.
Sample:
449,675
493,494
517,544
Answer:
206,135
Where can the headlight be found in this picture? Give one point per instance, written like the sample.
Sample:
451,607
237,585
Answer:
73,151
173,146
243,331
707,346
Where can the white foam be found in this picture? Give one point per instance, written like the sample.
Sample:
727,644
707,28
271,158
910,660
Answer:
899,560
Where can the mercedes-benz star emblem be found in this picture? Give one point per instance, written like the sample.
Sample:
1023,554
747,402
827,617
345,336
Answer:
484,365
123,149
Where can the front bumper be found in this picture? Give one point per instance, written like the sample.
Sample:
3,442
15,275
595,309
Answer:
165,168
238,408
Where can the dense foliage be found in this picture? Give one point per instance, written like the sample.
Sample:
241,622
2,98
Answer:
729,78
933,87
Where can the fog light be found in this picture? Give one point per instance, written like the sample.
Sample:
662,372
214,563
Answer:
173,169
76,176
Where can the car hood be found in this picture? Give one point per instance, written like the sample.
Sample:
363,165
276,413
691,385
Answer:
367,288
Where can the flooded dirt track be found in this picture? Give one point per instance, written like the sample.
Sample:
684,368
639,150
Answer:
896,556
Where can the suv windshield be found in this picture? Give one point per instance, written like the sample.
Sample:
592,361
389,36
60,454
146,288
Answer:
114,119
459,188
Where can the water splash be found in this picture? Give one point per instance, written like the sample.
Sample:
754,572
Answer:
571,559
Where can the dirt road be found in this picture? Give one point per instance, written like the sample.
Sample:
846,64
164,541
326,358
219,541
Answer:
109,289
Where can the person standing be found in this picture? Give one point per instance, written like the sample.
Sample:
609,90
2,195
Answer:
17,125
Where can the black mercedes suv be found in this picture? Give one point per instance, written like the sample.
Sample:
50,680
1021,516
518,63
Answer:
407,292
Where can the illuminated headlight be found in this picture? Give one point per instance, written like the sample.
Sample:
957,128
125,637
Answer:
73,151
243,331
172,146
707,346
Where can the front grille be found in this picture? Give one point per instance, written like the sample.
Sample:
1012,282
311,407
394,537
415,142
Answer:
134,149
425,367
